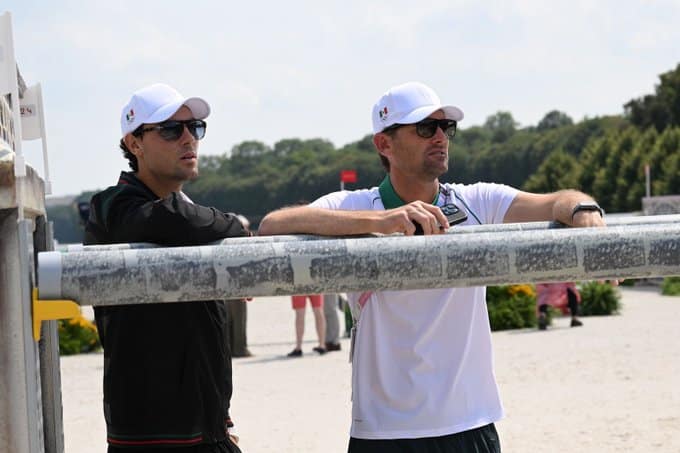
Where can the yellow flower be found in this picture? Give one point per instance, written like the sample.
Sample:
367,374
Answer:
527,290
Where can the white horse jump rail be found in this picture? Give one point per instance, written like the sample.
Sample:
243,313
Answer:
265,268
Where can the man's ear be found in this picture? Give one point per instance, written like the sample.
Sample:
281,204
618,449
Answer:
382,143
134,144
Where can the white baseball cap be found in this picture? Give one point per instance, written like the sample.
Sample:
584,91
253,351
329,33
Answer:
157,103
409,103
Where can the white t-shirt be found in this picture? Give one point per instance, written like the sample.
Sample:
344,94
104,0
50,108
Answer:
423,362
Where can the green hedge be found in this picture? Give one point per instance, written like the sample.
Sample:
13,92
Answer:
599,299
511,307
514,306
671,286
77,335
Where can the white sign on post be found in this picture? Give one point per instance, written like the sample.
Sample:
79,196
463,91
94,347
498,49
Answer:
31,115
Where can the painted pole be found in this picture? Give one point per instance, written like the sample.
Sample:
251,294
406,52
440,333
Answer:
648,181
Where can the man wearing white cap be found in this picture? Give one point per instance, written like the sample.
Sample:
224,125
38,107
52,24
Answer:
422,377
167,367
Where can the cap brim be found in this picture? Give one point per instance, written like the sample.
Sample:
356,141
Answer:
199,109
450,112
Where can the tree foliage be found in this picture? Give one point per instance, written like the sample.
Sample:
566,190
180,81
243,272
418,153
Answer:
553,120
661,109
501,125
558,171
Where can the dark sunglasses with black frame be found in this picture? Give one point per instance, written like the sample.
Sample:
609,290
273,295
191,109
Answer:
428,127
172,130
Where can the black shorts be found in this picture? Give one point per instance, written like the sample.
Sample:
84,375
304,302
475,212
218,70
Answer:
478,440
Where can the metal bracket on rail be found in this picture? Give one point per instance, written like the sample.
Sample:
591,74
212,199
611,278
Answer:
49,310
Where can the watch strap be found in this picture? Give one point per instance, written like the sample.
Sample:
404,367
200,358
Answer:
587,206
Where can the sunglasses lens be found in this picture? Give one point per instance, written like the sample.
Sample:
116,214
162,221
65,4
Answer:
450,128
427,128
173,130
197,128
170,130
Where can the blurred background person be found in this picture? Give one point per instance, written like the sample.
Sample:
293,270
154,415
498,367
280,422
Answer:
237,315
299,303
330,311
563,296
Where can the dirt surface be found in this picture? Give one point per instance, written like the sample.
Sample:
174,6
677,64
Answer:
612,385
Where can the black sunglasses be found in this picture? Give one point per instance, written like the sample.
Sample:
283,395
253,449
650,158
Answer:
172,130
428,127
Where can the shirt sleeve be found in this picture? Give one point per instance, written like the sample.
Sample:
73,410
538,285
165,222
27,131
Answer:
489,201
355,200
132,217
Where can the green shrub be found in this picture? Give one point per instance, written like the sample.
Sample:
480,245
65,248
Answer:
511,307
671,286
599,299
77,335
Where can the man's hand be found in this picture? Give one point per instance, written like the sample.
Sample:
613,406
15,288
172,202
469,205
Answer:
400,220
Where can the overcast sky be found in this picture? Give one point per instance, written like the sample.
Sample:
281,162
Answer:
281,69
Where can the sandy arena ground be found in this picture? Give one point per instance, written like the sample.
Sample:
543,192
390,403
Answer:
610,386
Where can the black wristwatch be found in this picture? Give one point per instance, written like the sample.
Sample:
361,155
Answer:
587,206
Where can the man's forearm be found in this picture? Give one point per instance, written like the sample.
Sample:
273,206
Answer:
325,222
531,207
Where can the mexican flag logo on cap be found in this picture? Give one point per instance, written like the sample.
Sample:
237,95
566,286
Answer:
130,116
383,113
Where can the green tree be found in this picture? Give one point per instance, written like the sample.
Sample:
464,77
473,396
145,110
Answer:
661,109
553,120
251,148
593,161
662,161
558,171
501,125
606,183
630,181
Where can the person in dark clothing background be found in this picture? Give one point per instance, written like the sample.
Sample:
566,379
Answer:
167,367
237,316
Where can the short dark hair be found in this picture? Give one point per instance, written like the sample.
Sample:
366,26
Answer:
385,162
132,159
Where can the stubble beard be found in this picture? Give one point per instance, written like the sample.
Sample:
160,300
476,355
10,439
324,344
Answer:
186,175
433,171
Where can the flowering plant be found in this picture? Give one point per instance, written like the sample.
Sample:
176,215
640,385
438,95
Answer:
77,335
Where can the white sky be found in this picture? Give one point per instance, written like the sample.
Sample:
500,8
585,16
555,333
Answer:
306,69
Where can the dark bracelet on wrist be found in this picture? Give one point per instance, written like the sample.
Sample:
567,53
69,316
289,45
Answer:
587,206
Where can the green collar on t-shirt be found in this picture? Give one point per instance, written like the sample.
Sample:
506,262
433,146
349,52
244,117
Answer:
389,197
